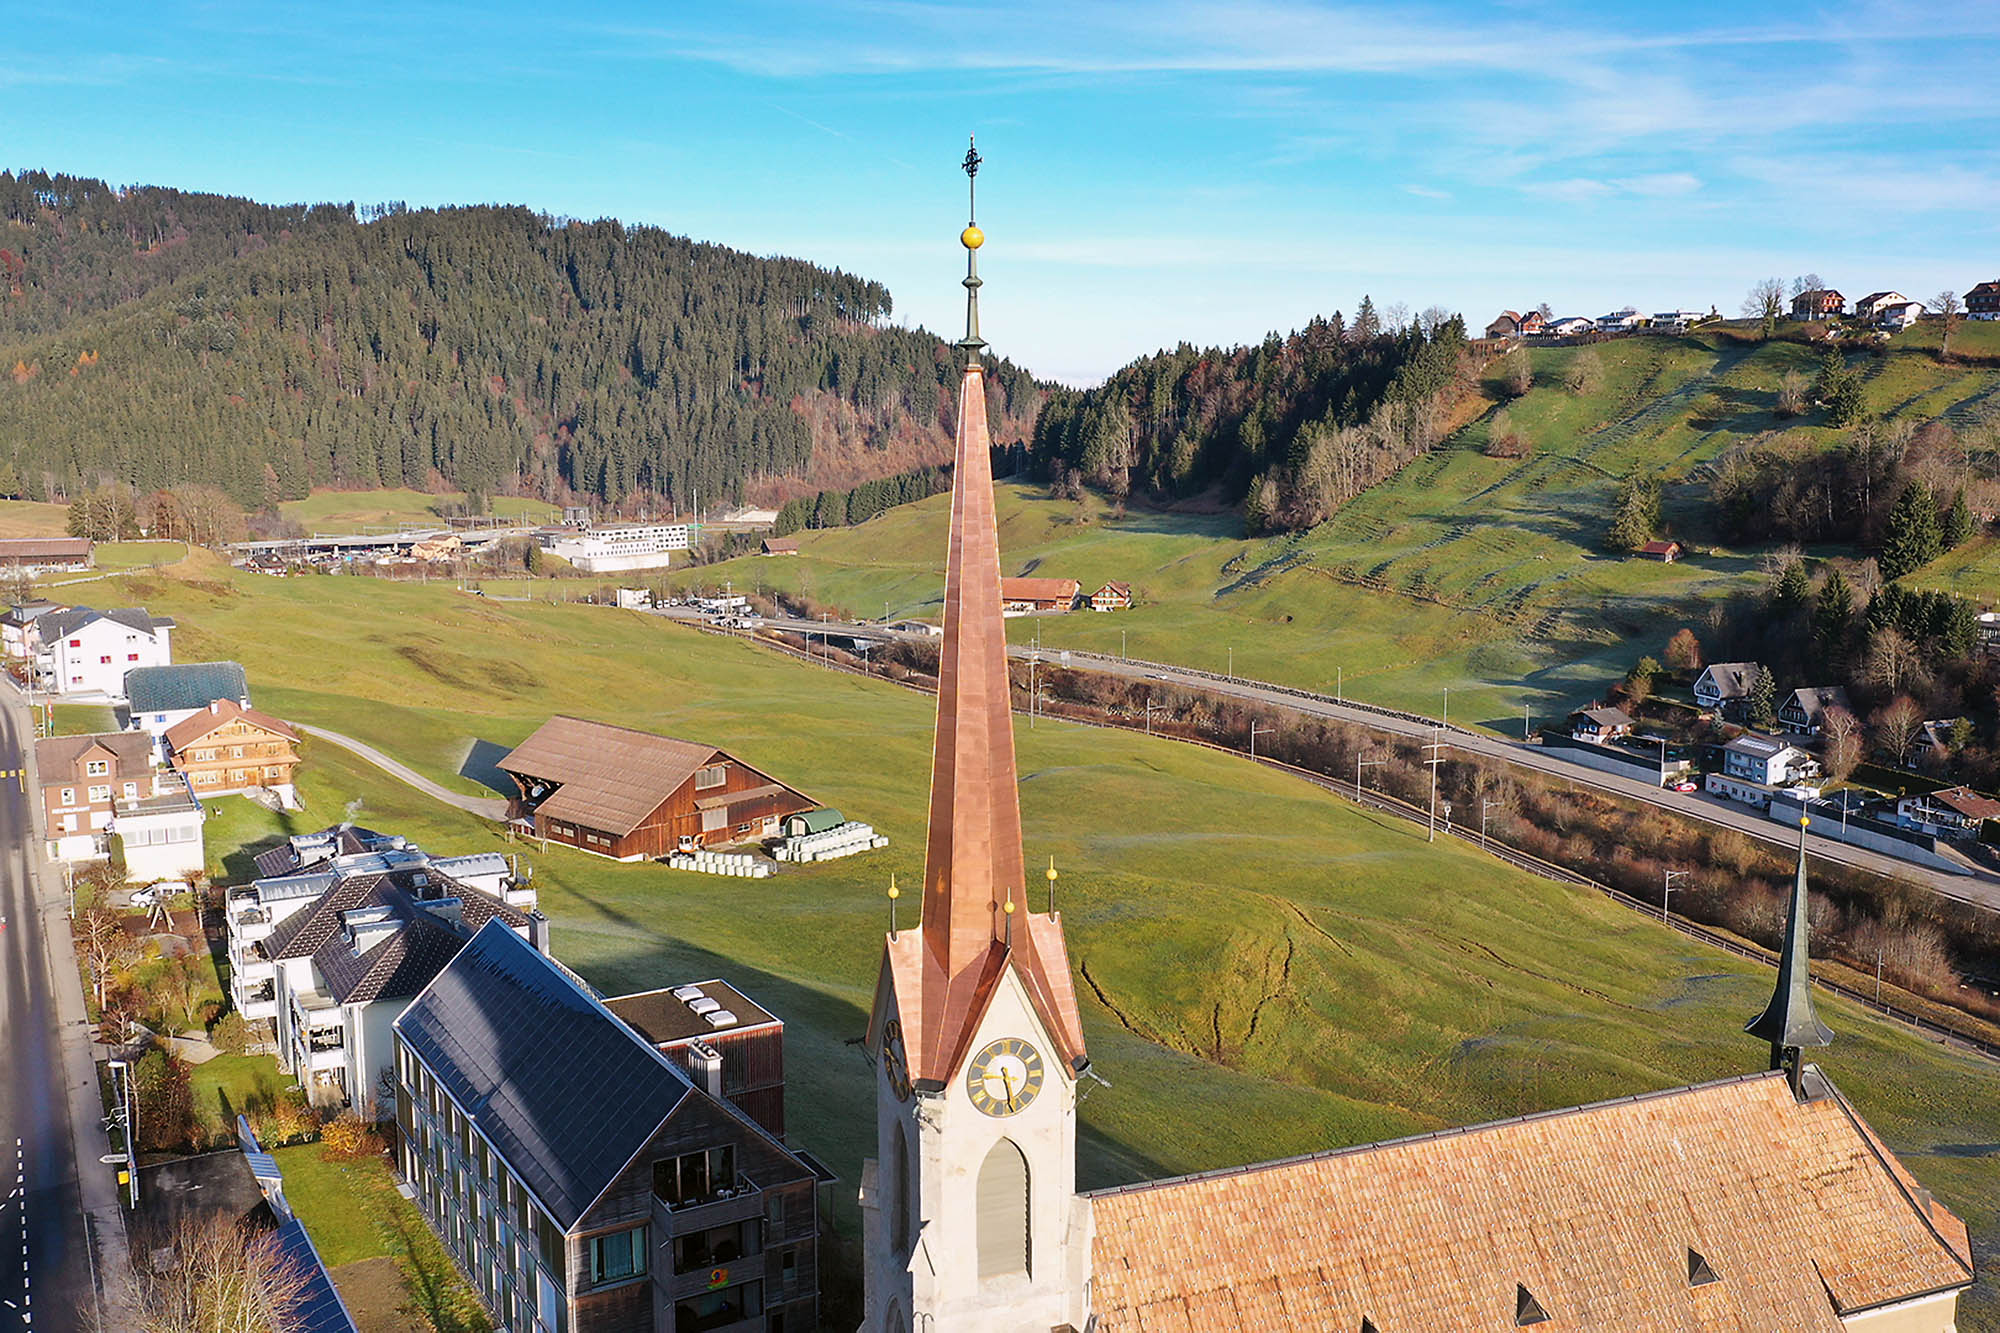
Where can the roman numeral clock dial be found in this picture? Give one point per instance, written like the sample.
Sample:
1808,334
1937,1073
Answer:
1005,1077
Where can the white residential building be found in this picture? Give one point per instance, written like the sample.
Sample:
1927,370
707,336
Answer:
87,652
161,835
610,550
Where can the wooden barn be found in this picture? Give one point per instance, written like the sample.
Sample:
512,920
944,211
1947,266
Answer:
631,795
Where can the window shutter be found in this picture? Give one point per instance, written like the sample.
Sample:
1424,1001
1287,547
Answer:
1003,1212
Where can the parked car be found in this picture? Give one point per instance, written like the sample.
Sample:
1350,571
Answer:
1684,785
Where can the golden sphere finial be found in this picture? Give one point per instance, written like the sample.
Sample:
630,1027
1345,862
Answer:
1804,821
1008,907
972,238
895,892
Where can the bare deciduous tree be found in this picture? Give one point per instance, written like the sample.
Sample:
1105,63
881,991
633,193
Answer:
1893,662
1945,305
1842,751
211,1277
1766,305
1896,725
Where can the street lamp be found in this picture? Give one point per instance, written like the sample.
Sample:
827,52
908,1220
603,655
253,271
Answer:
1436,747
1121,645
1667,887
1339,683
1232,664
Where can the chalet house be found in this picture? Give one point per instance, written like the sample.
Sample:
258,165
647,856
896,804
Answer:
1872,305
1754,757
20,628
726,1043
1533,322
1021,596
1900,314
1599,724
344,964
88,652
1804,711
1956,813
438,548
299,871
1817,304
85,782
631,795
227,748
1983,301
1666,552
1112,597
45,555
161,697
1506,325
781,546
583,1182
1725,687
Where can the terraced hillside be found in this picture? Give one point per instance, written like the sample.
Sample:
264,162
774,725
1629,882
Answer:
1476,574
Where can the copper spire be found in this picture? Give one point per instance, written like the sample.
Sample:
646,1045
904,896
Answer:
973,871
1788,1021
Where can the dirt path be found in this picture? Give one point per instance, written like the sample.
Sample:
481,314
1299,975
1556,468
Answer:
486,807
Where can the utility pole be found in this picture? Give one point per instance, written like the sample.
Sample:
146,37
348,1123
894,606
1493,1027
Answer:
1445,720
1878,974
1437,748
1150,705
1232,663
1254,729
1359,764
1485,808
1339,683
1667,887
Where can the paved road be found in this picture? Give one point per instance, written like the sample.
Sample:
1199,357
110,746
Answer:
1979,887
486,807
47,1268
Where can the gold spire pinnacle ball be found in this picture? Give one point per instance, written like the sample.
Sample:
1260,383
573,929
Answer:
972,238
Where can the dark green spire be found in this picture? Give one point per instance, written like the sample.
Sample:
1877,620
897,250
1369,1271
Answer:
1789,1022
972,238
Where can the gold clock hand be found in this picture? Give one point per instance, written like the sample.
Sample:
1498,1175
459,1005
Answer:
1007,1081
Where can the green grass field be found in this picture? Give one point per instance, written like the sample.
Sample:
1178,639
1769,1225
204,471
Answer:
344,511
1468,573
28,518
1395,986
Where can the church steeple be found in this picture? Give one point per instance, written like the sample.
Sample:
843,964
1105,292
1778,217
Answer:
972,238
1788,1021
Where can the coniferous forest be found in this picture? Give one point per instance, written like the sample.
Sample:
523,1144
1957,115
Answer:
161,338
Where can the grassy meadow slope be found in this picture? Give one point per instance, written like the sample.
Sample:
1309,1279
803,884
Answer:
1268,970
352,511
1477,574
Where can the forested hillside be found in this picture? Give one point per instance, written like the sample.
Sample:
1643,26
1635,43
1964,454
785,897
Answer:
161,339
1291,428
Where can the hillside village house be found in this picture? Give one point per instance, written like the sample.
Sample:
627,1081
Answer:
581,1180
1023,596
87,652
781,546
1666,552
1599,723
91,785
20,628
1804,710
45,555
1628,318
1817,304
611,550
1571,325
227,749
299,871
1507,324
1900,314
159,698
1725,687
1872,305
1956,813
1755,757
1983,301
631,795
1112,597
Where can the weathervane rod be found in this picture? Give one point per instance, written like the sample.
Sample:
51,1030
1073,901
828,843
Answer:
972,238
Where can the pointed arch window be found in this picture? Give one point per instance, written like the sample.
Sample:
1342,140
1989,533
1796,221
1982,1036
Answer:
899,1226
1003,1212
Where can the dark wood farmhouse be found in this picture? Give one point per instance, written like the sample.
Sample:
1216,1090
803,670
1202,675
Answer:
630,794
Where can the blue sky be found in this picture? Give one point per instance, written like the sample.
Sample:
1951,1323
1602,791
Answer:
1154,172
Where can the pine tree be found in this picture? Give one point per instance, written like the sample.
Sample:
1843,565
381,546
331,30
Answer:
1911,539
1793,591
1762,710
1957,522
1367,324
1833,612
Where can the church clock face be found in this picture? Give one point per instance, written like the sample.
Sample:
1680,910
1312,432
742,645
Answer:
895,1060
1005,1077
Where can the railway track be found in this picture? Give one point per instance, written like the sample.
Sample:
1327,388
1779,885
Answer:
1520,860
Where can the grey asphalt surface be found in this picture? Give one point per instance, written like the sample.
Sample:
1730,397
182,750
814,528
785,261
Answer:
46,1270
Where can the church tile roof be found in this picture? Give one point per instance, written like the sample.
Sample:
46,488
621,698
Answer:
1794,1205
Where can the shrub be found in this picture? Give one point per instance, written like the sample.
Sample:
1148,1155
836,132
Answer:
231,1034
348,1135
